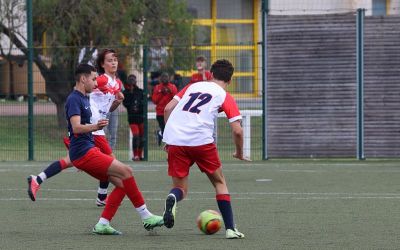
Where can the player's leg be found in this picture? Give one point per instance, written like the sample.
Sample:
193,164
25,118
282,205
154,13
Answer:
176,194
179,163
128,183
103,167
112,128
135,141
224,203
161,124
102,191
101,142
207,159
34,181
113,202
141,140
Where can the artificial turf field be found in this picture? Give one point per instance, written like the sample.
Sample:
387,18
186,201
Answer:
278,204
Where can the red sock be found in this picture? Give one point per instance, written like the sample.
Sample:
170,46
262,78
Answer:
133,192
136,153
113,202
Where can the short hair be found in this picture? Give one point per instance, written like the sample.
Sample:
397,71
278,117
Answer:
222,70
128,81
83,69
201,59
101,57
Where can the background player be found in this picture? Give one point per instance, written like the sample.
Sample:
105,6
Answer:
162,94
202,73
188,135
134,104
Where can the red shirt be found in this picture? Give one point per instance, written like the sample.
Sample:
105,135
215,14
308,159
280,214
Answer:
197,77
162,95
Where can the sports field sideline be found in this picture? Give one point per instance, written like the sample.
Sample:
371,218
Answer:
278,204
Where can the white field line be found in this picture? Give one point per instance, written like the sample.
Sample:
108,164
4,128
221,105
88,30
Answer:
235,198
232,193
231,164
243,169
237,195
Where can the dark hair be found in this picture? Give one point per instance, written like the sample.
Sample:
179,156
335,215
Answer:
83,69
101,57
128,81
222,70
201,59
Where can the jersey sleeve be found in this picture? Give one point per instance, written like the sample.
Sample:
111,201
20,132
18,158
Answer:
102,84
72,107
231,109
119,87
180,94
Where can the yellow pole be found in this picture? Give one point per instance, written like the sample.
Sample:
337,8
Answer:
213,30
387,7
256,11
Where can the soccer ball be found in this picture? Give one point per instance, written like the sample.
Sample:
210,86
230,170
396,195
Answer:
209,221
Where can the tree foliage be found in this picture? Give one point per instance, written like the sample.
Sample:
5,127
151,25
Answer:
68,26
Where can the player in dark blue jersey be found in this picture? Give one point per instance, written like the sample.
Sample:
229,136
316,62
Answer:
85,156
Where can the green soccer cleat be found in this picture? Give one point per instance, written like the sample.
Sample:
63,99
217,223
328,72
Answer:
169,211
103,229
234,234
152,222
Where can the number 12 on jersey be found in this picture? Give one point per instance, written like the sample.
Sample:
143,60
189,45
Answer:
204,99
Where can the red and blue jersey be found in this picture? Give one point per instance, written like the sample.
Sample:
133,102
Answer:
78,104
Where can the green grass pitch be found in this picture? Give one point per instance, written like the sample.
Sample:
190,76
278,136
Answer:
278,204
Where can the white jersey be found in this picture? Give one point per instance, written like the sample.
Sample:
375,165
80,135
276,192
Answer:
102,98
191,123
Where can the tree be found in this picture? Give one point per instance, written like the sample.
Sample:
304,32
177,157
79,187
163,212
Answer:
71,25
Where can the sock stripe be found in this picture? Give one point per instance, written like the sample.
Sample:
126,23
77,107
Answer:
223,197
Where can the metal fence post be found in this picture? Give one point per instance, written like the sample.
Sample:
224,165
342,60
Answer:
30,80
360,83
265,9
145,110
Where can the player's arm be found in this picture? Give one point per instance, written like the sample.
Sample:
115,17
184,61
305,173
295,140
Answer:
237,133
119,97
125,102
232,112
157,95
168,109
79,128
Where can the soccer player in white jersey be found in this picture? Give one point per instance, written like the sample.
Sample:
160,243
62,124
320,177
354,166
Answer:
188,134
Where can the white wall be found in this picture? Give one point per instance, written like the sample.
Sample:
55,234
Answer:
394,7
303,7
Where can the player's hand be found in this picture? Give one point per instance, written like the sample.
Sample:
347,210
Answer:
241,157
102,123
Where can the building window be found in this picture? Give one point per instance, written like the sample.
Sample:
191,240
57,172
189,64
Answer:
235,9
228,29
200,9
379,7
